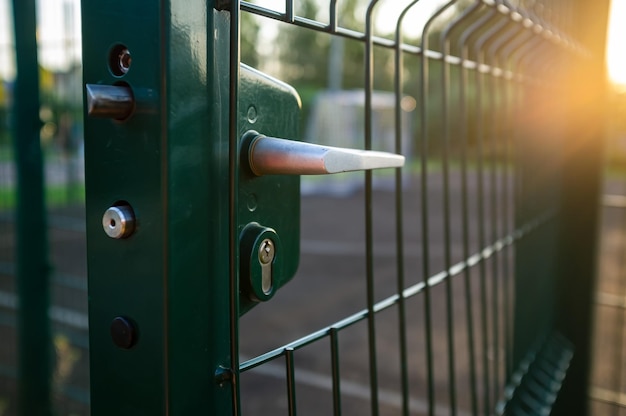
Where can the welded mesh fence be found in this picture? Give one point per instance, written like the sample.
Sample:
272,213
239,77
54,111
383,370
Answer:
428,290
437,291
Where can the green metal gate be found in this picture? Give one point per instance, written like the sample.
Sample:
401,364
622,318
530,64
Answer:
466,274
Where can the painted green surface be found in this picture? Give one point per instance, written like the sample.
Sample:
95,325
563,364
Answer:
169,161
269,107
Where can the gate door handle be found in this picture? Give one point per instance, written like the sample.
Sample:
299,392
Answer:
274,156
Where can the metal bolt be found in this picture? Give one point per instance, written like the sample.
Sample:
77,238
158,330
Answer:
109,101
123,332
124,60
119,221
266,251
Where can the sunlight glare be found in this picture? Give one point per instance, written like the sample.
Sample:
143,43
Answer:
616,48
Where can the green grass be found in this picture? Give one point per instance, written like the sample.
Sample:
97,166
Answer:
56,195
6,154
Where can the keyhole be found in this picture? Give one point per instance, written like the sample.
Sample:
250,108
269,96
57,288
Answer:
112,223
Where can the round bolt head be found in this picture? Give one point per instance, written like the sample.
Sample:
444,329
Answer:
123,332
118,221
124,60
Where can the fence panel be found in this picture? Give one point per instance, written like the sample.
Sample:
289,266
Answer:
459,283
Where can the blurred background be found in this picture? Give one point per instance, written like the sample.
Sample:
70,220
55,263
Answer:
323,69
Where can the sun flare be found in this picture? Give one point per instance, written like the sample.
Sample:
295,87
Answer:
616,49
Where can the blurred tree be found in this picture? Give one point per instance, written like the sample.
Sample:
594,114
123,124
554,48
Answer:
303,53
4,114
249,32
311,61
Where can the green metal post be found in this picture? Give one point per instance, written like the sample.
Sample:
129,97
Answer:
160,299
34,339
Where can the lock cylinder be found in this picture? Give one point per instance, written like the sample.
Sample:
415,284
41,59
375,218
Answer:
260,268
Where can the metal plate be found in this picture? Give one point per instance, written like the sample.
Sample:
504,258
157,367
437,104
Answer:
269,107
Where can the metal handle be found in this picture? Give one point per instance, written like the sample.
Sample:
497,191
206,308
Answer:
273,156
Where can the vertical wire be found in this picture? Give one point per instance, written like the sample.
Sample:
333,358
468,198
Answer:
521,186
481,239
424,204
491,160
446,222
369,252
530,177
464,85
621,290
334,359
517,152
398,81
517,143
504,204
425,247
291,381
508,86
481,225
493,194
517,87
332,13
289,13
233,168
619,351
506,226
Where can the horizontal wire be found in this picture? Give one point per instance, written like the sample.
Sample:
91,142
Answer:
611,300
527,23
409,49
606,396
614,201
434,280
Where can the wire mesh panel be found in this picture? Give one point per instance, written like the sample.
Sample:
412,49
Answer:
437,293
454,280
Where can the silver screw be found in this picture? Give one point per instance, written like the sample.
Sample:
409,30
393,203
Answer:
266,251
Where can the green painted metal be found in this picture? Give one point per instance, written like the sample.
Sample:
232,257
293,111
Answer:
34,337
170,162
269,205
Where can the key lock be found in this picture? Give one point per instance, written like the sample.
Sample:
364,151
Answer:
269,182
